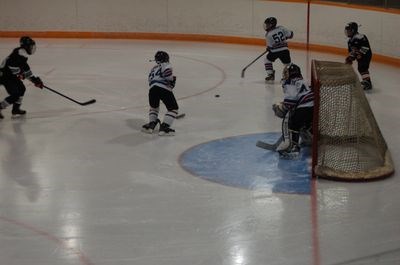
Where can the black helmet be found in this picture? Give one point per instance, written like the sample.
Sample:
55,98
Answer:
270,23
294,71
27,44
291,71
161,57
351,29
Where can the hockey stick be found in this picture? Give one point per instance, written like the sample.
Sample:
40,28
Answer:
247,66
267,146
180,116
77,102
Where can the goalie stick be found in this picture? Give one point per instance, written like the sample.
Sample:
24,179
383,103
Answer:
247,66
73,100
268,146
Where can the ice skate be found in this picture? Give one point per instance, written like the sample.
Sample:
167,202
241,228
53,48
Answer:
270,77
149,127
366,85
165,130
291,153
17,112
1,115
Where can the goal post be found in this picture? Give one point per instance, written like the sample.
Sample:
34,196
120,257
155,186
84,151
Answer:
347,142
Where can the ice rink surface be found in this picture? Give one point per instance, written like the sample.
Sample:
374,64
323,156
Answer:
82,185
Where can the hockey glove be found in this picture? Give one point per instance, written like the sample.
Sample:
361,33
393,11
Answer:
20,76
359,55
349,60
37,81
173,82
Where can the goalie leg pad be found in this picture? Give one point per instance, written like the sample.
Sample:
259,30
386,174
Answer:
306,137
286,134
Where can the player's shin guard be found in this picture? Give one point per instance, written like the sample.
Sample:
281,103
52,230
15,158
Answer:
270,70
153,114
170,117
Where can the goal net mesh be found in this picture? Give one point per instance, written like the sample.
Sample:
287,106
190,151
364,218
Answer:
348,144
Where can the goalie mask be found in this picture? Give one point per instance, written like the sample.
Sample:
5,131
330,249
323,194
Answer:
351,29
291,71
270,23
27,44
161,57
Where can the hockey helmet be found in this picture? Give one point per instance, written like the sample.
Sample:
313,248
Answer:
270,23
161,57
291,71
351,29
27,44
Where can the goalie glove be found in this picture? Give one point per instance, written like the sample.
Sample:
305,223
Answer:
280,110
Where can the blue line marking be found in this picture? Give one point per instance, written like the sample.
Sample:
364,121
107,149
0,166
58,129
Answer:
237,162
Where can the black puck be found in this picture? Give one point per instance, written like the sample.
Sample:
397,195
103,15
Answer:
217,96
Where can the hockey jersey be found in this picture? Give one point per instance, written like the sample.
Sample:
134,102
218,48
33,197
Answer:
359,45
16,65
277,38
161,76
297,94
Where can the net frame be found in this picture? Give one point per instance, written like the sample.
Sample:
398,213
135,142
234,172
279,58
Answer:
356,150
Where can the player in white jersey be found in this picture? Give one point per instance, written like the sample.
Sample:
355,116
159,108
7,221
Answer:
296,110
161,82
277,47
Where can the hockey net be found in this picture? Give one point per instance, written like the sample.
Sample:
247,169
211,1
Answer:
347,144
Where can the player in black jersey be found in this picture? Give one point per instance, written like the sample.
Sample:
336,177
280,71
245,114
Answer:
360,50
15,68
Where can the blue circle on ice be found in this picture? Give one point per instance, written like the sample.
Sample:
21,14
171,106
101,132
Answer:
238,162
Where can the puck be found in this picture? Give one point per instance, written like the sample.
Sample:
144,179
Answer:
217,96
